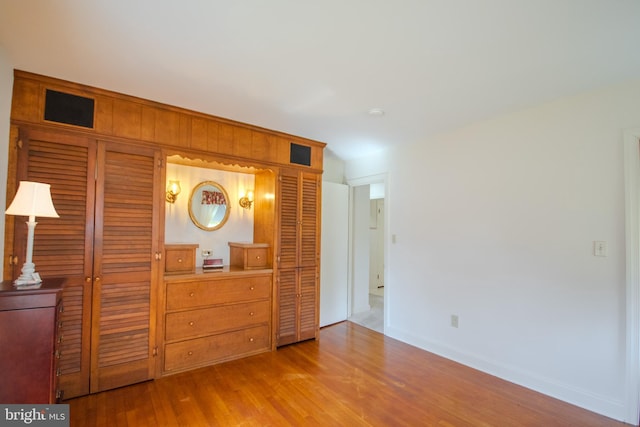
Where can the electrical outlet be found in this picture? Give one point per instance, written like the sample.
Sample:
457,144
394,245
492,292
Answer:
454,320
206,252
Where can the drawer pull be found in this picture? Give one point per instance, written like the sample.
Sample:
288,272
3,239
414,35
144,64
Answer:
179,259
252,288
251,314
251,339
191,294
257,256
190,353
191,323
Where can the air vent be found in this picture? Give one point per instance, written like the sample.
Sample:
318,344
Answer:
300,154
70,109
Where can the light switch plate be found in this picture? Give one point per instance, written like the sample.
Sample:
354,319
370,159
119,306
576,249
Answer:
599,248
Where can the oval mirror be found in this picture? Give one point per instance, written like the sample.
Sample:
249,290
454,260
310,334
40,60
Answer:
209,205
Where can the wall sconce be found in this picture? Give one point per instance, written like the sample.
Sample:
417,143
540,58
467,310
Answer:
173,189
247,200
32,199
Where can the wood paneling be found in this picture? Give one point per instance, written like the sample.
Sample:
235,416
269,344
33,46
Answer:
127,119
199,134
26,103
167,127
242,142
225,138
123,116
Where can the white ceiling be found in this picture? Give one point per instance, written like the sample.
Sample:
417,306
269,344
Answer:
314,68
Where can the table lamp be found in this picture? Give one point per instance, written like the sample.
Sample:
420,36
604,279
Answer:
32,199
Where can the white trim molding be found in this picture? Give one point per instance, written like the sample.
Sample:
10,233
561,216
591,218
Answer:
356,182
632,235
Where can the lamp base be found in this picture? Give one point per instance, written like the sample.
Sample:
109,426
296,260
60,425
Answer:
29,277
27,285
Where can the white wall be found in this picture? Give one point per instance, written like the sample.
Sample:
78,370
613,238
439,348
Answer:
333,168
501,234
178,225
6,90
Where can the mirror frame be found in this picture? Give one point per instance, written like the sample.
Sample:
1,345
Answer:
192,215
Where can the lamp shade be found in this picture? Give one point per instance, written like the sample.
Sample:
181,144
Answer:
33,199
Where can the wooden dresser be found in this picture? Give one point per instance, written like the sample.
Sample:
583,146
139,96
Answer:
211,317
30,336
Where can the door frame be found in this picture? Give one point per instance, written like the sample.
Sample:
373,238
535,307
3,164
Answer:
357,182
632,237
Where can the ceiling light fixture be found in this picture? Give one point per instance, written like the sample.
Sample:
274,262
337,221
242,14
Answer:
376,112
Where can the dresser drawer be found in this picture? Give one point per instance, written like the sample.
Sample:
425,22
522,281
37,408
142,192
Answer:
223,291
180,258
249,256
207,321
207,350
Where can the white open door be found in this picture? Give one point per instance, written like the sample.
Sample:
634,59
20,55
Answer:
334,289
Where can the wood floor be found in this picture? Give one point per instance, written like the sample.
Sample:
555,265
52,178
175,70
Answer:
352,376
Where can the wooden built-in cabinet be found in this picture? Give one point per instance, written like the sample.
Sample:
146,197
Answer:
106,195
249,256
180,258
297,277
30,333
105,164
211,317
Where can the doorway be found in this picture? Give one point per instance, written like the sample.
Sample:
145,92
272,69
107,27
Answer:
367,248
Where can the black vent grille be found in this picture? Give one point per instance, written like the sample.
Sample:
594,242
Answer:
300,154
70,109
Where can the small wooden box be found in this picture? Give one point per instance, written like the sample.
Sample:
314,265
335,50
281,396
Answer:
180,258
249,256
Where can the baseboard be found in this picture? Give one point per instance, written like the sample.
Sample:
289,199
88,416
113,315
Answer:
579,397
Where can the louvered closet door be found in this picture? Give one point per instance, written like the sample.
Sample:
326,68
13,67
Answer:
287,280
297,278
289,221
123,324
308,303
63,247
308,283
309,220
297,305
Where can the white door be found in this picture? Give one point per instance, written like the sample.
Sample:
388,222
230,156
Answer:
334,289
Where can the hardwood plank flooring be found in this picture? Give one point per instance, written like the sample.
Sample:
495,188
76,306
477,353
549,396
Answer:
352,376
